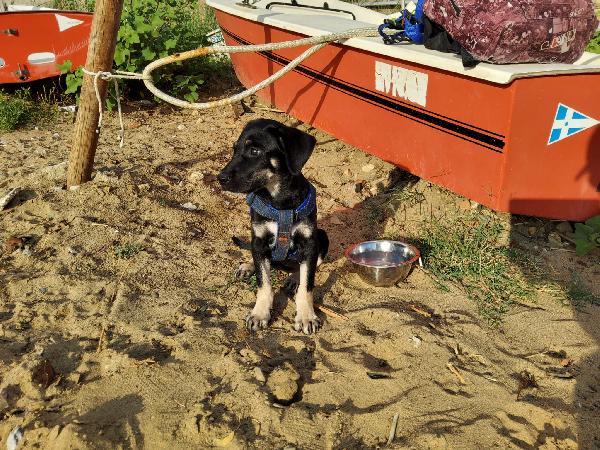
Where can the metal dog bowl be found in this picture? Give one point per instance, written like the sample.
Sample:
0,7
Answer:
382,263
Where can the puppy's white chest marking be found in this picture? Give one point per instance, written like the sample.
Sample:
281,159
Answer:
262,229
302,228
270,228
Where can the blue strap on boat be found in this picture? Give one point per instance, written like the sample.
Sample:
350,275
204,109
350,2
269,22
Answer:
285,218
410,26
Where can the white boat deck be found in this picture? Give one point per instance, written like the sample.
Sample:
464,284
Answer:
314,22
21,8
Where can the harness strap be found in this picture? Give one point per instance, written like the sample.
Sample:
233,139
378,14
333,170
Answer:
285,218
410,26
283,239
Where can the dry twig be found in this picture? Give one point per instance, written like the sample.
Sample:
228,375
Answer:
330,313
455,371
420,311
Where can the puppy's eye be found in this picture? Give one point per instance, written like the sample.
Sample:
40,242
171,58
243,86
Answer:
254,151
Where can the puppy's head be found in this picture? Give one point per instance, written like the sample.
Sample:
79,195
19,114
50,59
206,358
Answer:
265,153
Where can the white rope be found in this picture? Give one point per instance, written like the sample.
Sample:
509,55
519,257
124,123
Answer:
122,127
106,76
316,42
234,98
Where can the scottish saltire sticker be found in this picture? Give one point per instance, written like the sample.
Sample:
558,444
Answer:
568,122
64,22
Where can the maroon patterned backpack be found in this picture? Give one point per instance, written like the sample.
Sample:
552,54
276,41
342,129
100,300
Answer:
510,31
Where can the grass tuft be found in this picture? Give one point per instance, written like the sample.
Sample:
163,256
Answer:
468,252
126,251
579,294
74,5
21,108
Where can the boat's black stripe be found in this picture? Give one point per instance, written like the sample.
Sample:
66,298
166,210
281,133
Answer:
391,105
490,142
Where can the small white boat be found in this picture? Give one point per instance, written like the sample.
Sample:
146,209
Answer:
35,40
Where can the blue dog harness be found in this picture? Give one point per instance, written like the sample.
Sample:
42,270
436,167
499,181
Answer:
410,26
285,218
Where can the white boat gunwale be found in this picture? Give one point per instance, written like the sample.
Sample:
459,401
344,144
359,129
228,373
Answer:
311,23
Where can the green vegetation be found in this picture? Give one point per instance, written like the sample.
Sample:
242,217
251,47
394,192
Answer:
579,294
126,251
587,236
468,252
277,279
73,79
74,5
594,45
152,29
22,108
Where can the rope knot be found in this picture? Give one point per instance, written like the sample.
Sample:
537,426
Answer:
105,75
316,43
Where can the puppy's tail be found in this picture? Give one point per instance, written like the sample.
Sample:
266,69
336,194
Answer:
241,243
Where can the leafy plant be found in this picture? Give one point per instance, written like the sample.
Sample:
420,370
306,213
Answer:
587,236
74,79
152,29
594,45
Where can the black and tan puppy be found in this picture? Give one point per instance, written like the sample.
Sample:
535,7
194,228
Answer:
267,162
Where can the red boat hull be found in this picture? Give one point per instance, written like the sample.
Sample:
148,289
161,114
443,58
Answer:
486,141
34,43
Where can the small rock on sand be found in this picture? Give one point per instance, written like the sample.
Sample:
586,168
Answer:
189,206
259,375
367,167
249,356
196,176
564,228
554,240
107,177
283,383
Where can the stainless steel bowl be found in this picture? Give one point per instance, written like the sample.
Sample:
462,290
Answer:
382,263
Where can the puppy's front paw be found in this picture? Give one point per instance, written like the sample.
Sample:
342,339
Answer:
290,285
258,320
244,271
307,321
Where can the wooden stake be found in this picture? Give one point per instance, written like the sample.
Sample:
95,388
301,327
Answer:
101,52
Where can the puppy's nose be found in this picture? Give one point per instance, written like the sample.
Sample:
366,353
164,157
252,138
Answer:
224,178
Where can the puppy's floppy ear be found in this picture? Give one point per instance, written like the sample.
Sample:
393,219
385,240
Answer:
296,145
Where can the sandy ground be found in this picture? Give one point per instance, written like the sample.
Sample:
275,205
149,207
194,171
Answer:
121,326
